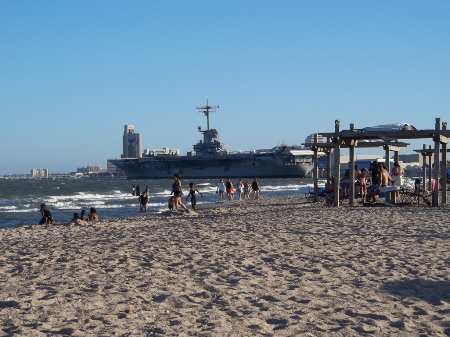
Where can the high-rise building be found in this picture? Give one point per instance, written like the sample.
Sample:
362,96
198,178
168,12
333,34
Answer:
131,143
39,173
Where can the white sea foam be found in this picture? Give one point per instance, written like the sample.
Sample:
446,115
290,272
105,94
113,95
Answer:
7,208
20,210
111,198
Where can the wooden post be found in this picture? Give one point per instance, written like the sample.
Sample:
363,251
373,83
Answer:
396,156
444,168
430,172
387,156
437,164
337,161
424,165
316,169
329,152
351,178
396,160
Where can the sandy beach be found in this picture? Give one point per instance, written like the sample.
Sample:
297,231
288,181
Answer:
270,267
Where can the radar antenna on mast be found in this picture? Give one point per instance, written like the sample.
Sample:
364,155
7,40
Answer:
206,109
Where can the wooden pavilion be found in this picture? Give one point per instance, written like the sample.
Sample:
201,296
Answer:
353,138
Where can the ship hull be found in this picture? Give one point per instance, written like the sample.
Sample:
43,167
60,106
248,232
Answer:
229,166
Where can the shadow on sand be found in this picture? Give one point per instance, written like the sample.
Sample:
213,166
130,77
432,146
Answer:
431,291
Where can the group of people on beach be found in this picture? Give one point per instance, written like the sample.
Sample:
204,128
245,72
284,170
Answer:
86,217
378,176
177,192
241,188
47,217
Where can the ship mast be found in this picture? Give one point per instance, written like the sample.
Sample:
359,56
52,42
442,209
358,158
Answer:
205,110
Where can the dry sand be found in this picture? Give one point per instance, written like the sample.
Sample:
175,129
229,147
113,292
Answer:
271,267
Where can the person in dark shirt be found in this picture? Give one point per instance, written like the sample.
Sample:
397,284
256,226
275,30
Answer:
192,191
255,188
76,217
144,202
46,215
138,190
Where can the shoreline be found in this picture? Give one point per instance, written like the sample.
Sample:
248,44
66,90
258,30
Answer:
274,266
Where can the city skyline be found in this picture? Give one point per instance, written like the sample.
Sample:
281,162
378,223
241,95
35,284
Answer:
74,73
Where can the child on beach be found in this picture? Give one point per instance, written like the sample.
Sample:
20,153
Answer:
93,215
46,215
247,188
191,194
171,202
83,215
75,217
362,182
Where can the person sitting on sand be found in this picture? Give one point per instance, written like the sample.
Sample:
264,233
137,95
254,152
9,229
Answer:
192,191
47,217
93,215
383,179
76,217
83,215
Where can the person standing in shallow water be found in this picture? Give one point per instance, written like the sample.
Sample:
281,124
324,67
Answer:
177,191
144,202
138,190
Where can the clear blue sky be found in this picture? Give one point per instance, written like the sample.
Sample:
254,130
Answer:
72,73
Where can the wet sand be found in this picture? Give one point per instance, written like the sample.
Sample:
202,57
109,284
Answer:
270,267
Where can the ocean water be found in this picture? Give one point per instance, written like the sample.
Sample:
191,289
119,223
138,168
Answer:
20,199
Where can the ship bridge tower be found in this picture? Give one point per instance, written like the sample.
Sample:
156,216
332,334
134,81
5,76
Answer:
206,109
211,143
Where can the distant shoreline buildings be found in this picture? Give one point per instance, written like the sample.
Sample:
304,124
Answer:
39,173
